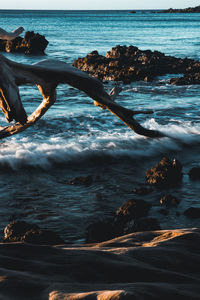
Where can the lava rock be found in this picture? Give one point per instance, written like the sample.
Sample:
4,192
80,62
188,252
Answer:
142,191
100,231
130,217
86,180
169,200
44,237
192,212
187,79
189,10
166,173
20,231
194,173
134,208
128,64
141,224
32,43
129,212
15,231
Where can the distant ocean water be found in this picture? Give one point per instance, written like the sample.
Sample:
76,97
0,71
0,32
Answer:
75,138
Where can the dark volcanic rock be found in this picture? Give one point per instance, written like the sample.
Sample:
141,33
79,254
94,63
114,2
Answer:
127,214
142,191
194,173
20,231
192,212
184,10
187,79
14,231
133,208
32,43
44,237
129,64
86,180
165,173
100,231
169,200
141,224
130,217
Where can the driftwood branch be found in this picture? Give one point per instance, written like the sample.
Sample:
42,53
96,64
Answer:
47,74
4,35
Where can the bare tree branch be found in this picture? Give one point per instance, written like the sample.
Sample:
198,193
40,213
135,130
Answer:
5,35
47,74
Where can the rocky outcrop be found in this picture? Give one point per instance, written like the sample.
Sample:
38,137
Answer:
133,208
85,180
100,231
150,265
15,231
192,212
169,200
132,216
166,173
20,231
129,64
187,79
184,10
142,191
32,43
194,173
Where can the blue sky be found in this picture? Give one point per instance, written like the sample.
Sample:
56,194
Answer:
93,4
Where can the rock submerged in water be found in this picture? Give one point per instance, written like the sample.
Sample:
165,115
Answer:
169,200
132,216
100,231
187,79
128,64
192,212
166,173
142,191
42,237
133,208
141,224
85,180
20,231
15,230
32,43
194,173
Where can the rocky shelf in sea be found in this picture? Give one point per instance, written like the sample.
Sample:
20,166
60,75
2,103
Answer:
195,9
128,64
32,43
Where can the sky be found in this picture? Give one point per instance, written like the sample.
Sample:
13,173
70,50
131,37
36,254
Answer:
94,4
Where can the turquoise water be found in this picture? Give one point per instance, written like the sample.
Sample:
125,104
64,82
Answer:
75,138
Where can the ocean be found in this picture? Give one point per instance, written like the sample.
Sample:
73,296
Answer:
75,138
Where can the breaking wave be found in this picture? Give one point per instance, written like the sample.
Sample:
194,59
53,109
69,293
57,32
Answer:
17,153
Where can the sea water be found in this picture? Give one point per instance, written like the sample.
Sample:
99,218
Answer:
75,138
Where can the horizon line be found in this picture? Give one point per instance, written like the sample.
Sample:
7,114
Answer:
124,9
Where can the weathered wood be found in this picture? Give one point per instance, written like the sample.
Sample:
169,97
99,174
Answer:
5,35
47,74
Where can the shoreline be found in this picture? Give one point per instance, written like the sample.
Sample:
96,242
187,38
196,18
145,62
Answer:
145,265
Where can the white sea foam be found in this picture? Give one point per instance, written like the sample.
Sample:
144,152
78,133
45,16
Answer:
17,153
